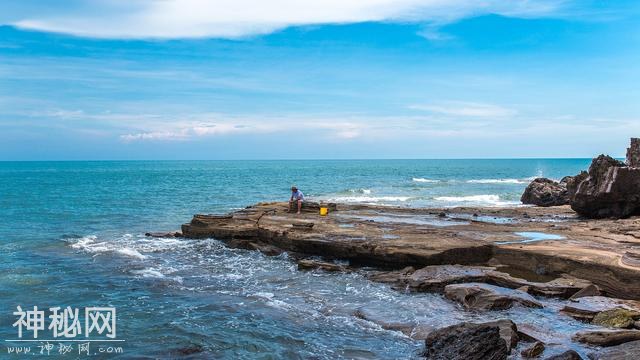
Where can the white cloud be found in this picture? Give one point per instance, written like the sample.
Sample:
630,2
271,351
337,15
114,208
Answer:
211,125
238,18
470,109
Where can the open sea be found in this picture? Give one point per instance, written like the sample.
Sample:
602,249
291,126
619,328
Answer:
72,234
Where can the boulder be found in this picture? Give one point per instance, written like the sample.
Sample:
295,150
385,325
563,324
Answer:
616,318
533,351
611,190
479,296
590,290
606,337
466,341
626,351
434,278
588,307
545,192
567,355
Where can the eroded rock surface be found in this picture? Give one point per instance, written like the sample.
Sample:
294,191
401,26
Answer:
607,337
479,296
466,341
612,189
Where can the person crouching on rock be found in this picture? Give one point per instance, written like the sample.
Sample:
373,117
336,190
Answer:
296,197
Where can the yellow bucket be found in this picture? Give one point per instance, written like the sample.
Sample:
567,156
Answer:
324,211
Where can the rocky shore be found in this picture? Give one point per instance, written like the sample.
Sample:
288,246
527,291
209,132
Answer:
484,259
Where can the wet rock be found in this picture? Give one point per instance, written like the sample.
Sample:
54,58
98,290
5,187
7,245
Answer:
266,249
414,330
606,337
545,192
612,190
616,318
626,351
466,341
533,351
589,290
567,355
308,264
479,296
586,308
170,234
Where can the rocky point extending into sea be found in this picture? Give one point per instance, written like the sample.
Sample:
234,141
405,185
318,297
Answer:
581,246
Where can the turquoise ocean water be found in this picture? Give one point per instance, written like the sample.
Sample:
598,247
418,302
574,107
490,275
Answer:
72,234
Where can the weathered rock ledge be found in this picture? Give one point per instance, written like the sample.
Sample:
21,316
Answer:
603,252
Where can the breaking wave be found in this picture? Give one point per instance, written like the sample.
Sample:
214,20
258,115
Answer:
499,181
491,200
369,199
423,180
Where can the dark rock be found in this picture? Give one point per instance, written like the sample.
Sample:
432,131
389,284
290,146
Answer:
572,183
488,297
545,192
170,234
567,355
633,153
533,351
610,190
626,351
508,331
606,337
466,341
442,214
308,264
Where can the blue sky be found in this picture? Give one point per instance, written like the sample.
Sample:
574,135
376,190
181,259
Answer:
278,79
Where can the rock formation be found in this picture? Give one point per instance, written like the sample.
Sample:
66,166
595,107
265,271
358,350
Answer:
611,189
545,192
633,153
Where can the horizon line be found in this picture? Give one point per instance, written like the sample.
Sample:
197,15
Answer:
303,159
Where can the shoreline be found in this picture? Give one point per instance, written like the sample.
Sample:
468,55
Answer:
602,251
485,259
